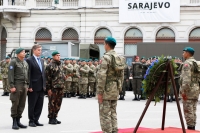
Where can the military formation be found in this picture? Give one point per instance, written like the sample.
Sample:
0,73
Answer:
108,79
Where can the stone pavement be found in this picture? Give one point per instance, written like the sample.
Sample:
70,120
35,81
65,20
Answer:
81,116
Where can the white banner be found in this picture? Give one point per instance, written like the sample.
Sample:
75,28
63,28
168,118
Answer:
149,11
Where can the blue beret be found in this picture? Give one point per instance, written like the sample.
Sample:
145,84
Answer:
19,50
111,40
55,53
189,49
42,57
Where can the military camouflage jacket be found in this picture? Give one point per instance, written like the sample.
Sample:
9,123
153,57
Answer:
91,75
4,69
76,75
55,77
108,83
68,71
189,88
84,70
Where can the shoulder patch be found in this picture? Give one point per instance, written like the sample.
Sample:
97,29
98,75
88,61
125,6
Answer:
11,67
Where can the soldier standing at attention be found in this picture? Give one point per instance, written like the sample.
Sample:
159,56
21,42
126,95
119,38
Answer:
137,78
55,83
18,79
108,87
4,71
83,70
68,70
125,83
189,87
75,78
91,79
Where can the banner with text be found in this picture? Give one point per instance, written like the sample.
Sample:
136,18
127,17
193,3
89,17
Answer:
149,11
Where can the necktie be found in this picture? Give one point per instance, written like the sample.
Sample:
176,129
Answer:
39,63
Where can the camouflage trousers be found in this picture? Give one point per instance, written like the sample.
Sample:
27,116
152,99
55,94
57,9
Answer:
5,85
108,116
55,101
83,89
91,87
74,87
67,88
189,109
137,85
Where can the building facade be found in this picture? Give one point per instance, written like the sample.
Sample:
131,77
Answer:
54,23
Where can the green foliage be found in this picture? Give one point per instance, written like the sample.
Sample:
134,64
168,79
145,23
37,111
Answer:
152,77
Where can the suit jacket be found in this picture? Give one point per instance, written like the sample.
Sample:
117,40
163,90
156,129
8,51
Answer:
37,77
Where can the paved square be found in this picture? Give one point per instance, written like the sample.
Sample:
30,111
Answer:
81,116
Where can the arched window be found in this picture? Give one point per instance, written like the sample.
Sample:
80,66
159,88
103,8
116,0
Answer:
43,35
99,39
165,35
3,43
70,34
131,38
194,35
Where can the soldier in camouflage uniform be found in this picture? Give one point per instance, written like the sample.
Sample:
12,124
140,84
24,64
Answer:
83,81
137,78
4,73
55,83
75,78
189,87
126,77
91,79
68,70
108,88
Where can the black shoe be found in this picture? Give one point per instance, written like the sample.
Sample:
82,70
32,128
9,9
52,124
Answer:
74,95
32,124
93,95
84,96
58,122
68,95
38,124
15,126
88,95
19,123
65,95
191,128
7,93
121,97
4,94
80,97
52,121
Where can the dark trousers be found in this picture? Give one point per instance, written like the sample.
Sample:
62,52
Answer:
35,105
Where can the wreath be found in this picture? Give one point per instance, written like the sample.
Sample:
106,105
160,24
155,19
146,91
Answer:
154,71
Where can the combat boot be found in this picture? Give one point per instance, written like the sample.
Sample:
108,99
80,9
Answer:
7,93
168,99
64,95
80,97
136,98
52,121
68,95
57,121
88,95
19,123
191,127
4,94
15,126
84,96
93,95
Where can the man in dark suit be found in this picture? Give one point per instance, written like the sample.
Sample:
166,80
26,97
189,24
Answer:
37,86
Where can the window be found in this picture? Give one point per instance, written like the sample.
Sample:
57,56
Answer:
165,35
43,35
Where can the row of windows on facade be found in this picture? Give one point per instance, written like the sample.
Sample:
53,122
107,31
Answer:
131,37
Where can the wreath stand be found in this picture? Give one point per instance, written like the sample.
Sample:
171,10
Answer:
168,73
